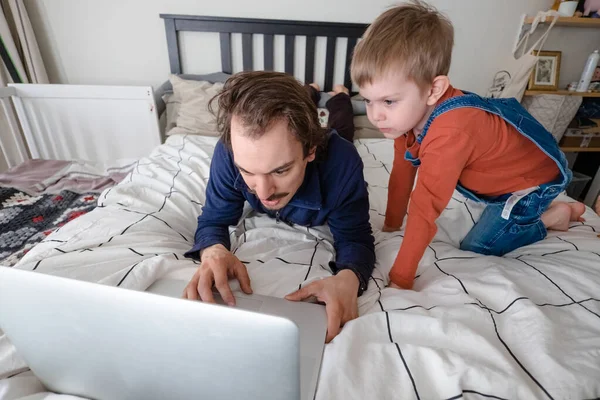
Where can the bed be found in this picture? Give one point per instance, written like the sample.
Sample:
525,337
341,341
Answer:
523,326
64,144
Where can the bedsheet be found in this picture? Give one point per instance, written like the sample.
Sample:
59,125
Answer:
523,326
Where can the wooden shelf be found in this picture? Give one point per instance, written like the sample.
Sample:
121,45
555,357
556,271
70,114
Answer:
572,21
562,93
580,149
571,144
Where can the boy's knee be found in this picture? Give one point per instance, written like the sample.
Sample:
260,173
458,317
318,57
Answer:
472,244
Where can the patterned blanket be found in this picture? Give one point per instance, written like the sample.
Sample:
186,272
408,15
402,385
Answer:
26,220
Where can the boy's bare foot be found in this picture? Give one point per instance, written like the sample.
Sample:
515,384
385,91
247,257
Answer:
577,210
316,86
557,217
597,206
559,214
337,89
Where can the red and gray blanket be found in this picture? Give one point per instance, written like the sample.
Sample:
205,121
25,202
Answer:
39,196
26,220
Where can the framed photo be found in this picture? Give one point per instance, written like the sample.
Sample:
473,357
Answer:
546,72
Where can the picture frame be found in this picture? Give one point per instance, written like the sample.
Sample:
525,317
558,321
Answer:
546,72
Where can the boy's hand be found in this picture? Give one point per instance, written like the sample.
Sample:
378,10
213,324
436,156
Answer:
389,229
393,285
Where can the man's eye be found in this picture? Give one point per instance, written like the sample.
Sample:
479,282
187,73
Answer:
388,102
280,172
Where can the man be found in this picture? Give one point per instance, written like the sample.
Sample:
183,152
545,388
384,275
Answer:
274,154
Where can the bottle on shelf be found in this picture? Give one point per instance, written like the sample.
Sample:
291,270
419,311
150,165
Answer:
588,71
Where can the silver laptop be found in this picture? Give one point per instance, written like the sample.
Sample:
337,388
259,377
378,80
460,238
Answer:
103,342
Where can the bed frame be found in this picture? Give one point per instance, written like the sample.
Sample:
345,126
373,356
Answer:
269,28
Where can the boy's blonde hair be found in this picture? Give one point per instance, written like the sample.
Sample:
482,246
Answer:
413,38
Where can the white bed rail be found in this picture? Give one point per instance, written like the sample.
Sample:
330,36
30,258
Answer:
96,123
12,147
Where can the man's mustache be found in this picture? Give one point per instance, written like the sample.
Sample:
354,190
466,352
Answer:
273,197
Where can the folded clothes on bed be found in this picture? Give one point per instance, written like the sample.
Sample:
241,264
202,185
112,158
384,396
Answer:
36,177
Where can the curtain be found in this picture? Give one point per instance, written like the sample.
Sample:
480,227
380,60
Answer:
21,58
21,62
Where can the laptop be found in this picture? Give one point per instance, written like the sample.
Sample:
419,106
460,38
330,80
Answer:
103,342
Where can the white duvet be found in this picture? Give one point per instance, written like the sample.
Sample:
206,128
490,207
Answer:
524,326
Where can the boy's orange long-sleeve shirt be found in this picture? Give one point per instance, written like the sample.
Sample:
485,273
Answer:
467,145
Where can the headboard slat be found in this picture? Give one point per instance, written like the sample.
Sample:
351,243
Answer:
289,54
309,73
226,65
247,52
269,54
329,63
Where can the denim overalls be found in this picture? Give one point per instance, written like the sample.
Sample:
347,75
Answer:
511,220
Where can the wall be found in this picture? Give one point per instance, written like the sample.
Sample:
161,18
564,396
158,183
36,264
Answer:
123,41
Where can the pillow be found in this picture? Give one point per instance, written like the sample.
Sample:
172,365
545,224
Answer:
187,107
165,92
171,110
192,115
167,87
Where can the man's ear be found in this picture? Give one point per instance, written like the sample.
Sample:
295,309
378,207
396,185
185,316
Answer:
311,154
438,88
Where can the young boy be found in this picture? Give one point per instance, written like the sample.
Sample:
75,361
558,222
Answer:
490,150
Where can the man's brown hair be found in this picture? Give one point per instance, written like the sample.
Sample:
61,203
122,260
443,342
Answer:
261,98
412,38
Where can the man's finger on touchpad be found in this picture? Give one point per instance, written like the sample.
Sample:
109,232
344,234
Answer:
218,298
312,299
205,292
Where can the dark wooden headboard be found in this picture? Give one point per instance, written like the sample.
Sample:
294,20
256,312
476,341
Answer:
269,28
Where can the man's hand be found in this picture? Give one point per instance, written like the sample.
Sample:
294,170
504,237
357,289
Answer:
389,229
339,293
218,266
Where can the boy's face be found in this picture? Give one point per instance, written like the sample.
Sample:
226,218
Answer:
273,165
395,104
